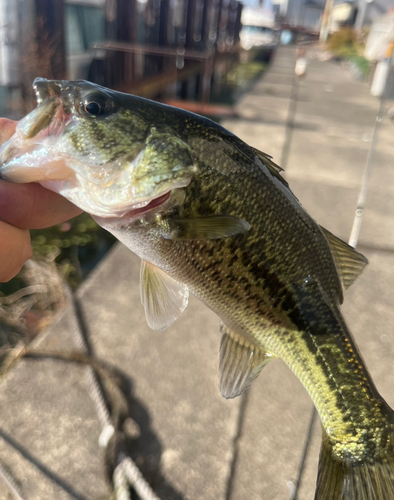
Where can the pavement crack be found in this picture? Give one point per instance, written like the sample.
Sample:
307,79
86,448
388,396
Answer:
44,469
235,444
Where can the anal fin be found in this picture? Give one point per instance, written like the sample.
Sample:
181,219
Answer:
239,364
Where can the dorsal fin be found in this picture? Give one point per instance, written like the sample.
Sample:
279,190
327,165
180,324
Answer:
350,263
239,364
274,169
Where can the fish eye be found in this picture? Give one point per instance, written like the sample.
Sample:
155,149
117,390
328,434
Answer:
95,105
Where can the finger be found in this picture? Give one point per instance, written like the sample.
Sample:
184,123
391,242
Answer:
15,250
7,129
30,206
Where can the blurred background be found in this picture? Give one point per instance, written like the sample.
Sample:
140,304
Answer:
308,81
181,51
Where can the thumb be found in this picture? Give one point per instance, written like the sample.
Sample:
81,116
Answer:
15,250
7,129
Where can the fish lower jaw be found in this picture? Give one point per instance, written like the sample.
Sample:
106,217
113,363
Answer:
136,211
151,205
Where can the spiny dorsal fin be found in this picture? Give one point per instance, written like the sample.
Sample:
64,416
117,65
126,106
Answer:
272,167
239,364
350,263
206,228
164,299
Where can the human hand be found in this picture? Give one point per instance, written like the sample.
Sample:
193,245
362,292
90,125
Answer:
24,207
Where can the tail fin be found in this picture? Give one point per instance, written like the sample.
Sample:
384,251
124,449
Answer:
371,479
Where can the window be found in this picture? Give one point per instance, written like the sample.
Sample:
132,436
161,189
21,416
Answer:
84,27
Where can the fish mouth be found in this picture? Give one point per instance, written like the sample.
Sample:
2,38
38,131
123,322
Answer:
45,89
27,156
45,149
135,213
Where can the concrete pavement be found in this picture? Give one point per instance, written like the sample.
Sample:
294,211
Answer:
191,442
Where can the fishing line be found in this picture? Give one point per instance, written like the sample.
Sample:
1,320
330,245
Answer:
353,241
358,216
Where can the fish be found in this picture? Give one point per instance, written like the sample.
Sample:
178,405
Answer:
209,215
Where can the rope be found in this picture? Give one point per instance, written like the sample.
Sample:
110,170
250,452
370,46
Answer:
11,483
136,480
126,472
95,390
121,484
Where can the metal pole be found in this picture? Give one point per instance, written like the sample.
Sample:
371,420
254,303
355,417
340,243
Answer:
207,79
362,10
325,24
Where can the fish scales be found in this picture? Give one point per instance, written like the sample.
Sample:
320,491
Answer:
210,215
262,275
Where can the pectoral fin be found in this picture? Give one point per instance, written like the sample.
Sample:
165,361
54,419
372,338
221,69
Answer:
239,364
350,263
206,228
163,298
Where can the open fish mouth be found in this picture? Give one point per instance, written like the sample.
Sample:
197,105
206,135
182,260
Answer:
27,156
127,210
134,213
86,145
36,159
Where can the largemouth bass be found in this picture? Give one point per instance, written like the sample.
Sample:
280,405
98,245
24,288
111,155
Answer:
208,214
